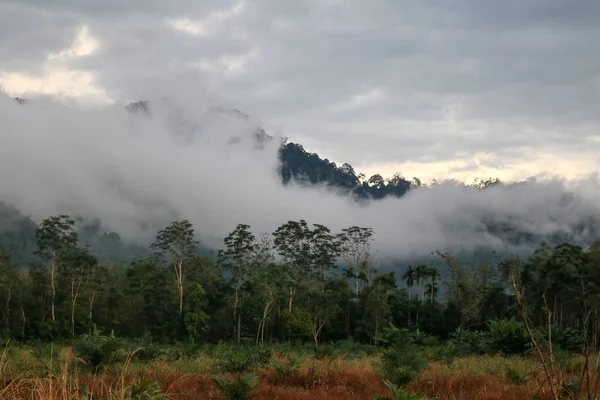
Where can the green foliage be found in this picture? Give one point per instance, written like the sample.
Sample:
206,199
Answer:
176,240
402,360
466,342
195,319
97,350
325,351
308,168
238,360
286,369
145,390
56,236
508,336
567,338
237,387
148,351
297,323
398,393
515,376
570,388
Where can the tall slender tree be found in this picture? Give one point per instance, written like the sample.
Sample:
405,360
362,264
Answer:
56,239
293,243
177,242
238,256
356,250
409,278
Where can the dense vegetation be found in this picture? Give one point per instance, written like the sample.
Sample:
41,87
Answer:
284,288
304,167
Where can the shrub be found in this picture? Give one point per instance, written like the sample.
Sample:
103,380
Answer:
286,369
297,323
567,338
239,360
507,336
397,393
466,342
515,376
96,349
402,360
148,351
324,351
569,388
145,390
236,388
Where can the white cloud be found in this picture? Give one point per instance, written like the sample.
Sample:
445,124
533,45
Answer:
83,45
129,170
56,78
369,97
208,26
54,82
229,63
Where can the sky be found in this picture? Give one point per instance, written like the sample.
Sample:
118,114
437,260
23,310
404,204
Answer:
433,89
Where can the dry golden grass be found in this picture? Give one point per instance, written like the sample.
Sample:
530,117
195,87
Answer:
484,378
62,377
335,379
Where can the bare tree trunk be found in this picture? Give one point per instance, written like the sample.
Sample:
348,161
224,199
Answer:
91,311
317,327
235,312
549,376
74,294
8,309
268,304
258,332
179,278
291,298
23,324
239,326
409,305
432,290
52,273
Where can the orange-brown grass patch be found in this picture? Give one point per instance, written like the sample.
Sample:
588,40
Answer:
465,386
315,380
447,383
187,387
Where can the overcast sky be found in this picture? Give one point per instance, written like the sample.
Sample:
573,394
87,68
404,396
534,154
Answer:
437,88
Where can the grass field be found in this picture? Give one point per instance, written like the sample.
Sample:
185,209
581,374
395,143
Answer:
55,372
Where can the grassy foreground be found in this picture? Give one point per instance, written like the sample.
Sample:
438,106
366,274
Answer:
54,372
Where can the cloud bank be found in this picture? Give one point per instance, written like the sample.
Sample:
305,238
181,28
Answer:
434,88
137,172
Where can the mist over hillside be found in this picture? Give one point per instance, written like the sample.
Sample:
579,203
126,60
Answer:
128,171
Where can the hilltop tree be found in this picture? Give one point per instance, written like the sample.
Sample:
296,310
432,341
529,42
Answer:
376,181
176,241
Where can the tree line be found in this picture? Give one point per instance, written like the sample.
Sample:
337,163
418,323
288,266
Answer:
301,282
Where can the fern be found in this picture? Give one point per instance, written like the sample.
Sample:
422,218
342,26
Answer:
237,388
